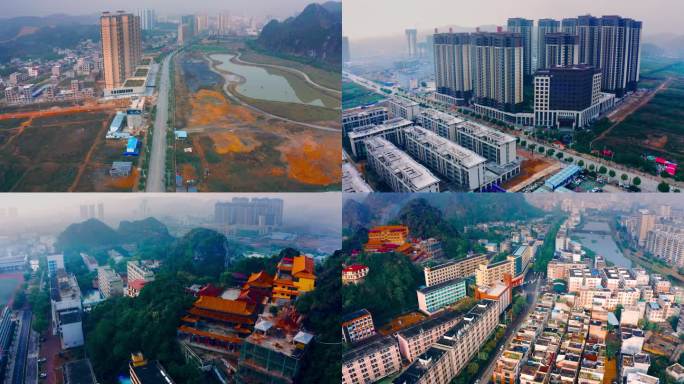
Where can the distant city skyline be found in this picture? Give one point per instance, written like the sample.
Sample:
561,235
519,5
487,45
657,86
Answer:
360,17
40,209
273,8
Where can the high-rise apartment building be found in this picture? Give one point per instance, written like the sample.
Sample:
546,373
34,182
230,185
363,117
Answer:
569,25
498,69
646,222
667,243
524,28
611,43
412,40
121,46
560,49
588,33
544,27
453,64
148,19
243,212
619,53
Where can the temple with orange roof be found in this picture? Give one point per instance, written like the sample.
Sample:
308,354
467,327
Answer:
258,287
218,323
388,238
294,276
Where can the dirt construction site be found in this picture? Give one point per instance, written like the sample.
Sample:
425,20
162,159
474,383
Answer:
230,147
60,149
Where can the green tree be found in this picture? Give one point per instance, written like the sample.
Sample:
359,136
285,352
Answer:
602,170
541,149
624,177
592,167
580,163
636,181
473,368
611,173
663,187
19,300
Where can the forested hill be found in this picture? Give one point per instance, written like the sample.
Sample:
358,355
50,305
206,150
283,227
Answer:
36,37
457,208
93,233
315,34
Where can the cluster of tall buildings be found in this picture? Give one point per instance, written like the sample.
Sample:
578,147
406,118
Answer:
262,214
658,233
588,54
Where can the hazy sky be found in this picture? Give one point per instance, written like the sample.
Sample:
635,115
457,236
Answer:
324,209
375,18
274,8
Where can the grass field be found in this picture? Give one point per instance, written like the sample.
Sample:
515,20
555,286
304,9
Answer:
354,95
47,154
655,129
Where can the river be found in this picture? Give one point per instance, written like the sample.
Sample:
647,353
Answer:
272,84
602,244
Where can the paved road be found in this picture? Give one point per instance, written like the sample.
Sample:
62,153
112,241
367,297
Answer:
32,359
19,371
157,165
288,69
270,115
512,328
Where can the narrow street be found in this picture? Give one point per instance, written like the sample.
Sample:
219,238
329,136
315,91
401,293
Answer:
512,329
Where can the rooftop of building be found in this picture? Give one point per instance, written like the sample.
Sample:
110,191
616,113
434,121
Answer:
420,366
63,286
278,340
352,182
79,372
355,268
440,286
354,315
440,116
445,147
218,304
417,175
363,110
432,322
369,130
69,317
404,102
485,132
369,348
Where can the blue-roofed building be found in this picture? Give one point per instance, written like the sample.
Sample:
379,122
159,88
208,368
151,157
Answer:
562,177
434,298
132,147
